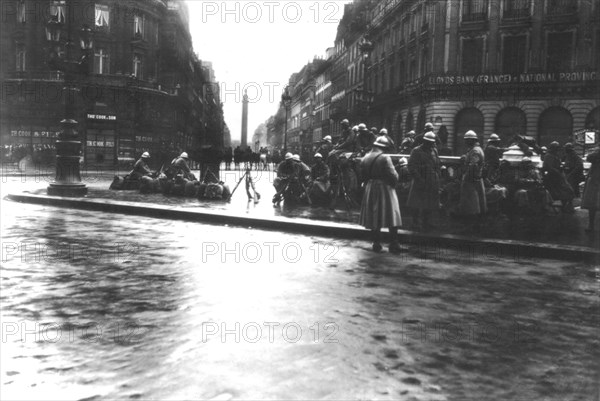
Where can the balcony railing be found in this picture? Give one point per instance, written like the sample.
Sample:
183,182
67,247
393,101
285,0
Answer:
474,17
565,8
517,13
36,75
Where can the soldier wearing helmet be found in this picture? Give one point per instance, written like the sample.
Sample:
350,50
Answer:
555,180
365,139
427,129
408,143
384,132
325,147
141,168
380,207
286,170
347,142
493,153
472,191
320,186
424,194
180,164
573,167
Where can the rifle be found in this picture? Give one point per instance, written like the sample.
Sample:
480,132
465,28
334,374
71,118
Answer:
237,185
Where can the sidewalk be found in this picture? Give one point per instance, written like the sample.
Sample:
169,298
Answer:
557,236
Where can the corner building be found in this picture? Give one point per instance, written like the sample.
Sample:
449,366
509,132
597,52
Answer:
142,88
503,66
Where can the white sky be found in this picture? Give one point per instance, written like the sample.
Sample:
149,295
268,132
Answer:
261,55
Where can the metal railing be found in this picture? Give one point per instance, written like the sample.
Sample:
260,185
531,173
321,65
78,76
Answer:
36,75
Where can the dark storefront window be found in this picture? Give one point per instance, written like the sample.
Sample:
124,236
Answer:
555,124
510,122
466,119
592,121
514,54
100,147
474,10
559,50
472,56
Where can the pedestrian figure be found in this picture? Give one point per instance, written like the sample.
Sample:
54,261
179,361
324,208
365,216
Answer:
555,180
427,129
180,164
141,169
364,139
492,153
591,191
250,185
320,187
424,169
573,165
380,207
407,145
228,157
384,133
472,191
325,147
530,196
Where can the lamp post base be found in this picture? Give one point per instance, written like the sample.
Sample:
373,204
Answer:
68,176
57,189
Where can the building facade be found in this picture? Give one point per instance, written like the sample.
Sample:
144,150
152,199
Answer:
509,67
505,66
140,87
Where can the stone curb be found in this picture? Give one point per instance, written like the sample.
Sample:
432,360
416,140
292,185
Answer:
484,247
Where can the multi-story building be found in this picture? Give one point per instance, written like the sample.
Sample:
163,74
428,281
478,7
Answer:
322,123
505,66
140,86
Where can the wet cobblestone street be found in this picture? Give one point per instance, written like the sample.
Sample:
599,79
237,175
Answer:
103,306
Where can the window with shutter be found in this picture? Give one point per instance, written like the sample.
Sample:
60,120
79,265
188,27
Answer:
58,11
514,54
559,51
102,15
472,56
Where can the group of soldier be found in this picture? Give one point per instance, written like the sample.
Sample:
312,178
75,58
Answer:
482,181
484,178
179,164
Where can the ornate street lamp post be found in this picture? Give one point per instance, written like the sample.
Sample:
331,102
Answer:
366,47
286,100
68,176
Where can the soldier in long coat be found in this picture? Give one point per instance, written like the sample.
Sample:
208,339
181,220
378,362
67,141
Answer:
493,153
319,174
424,168
472,189
380,207
573,168
591,192
555,180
